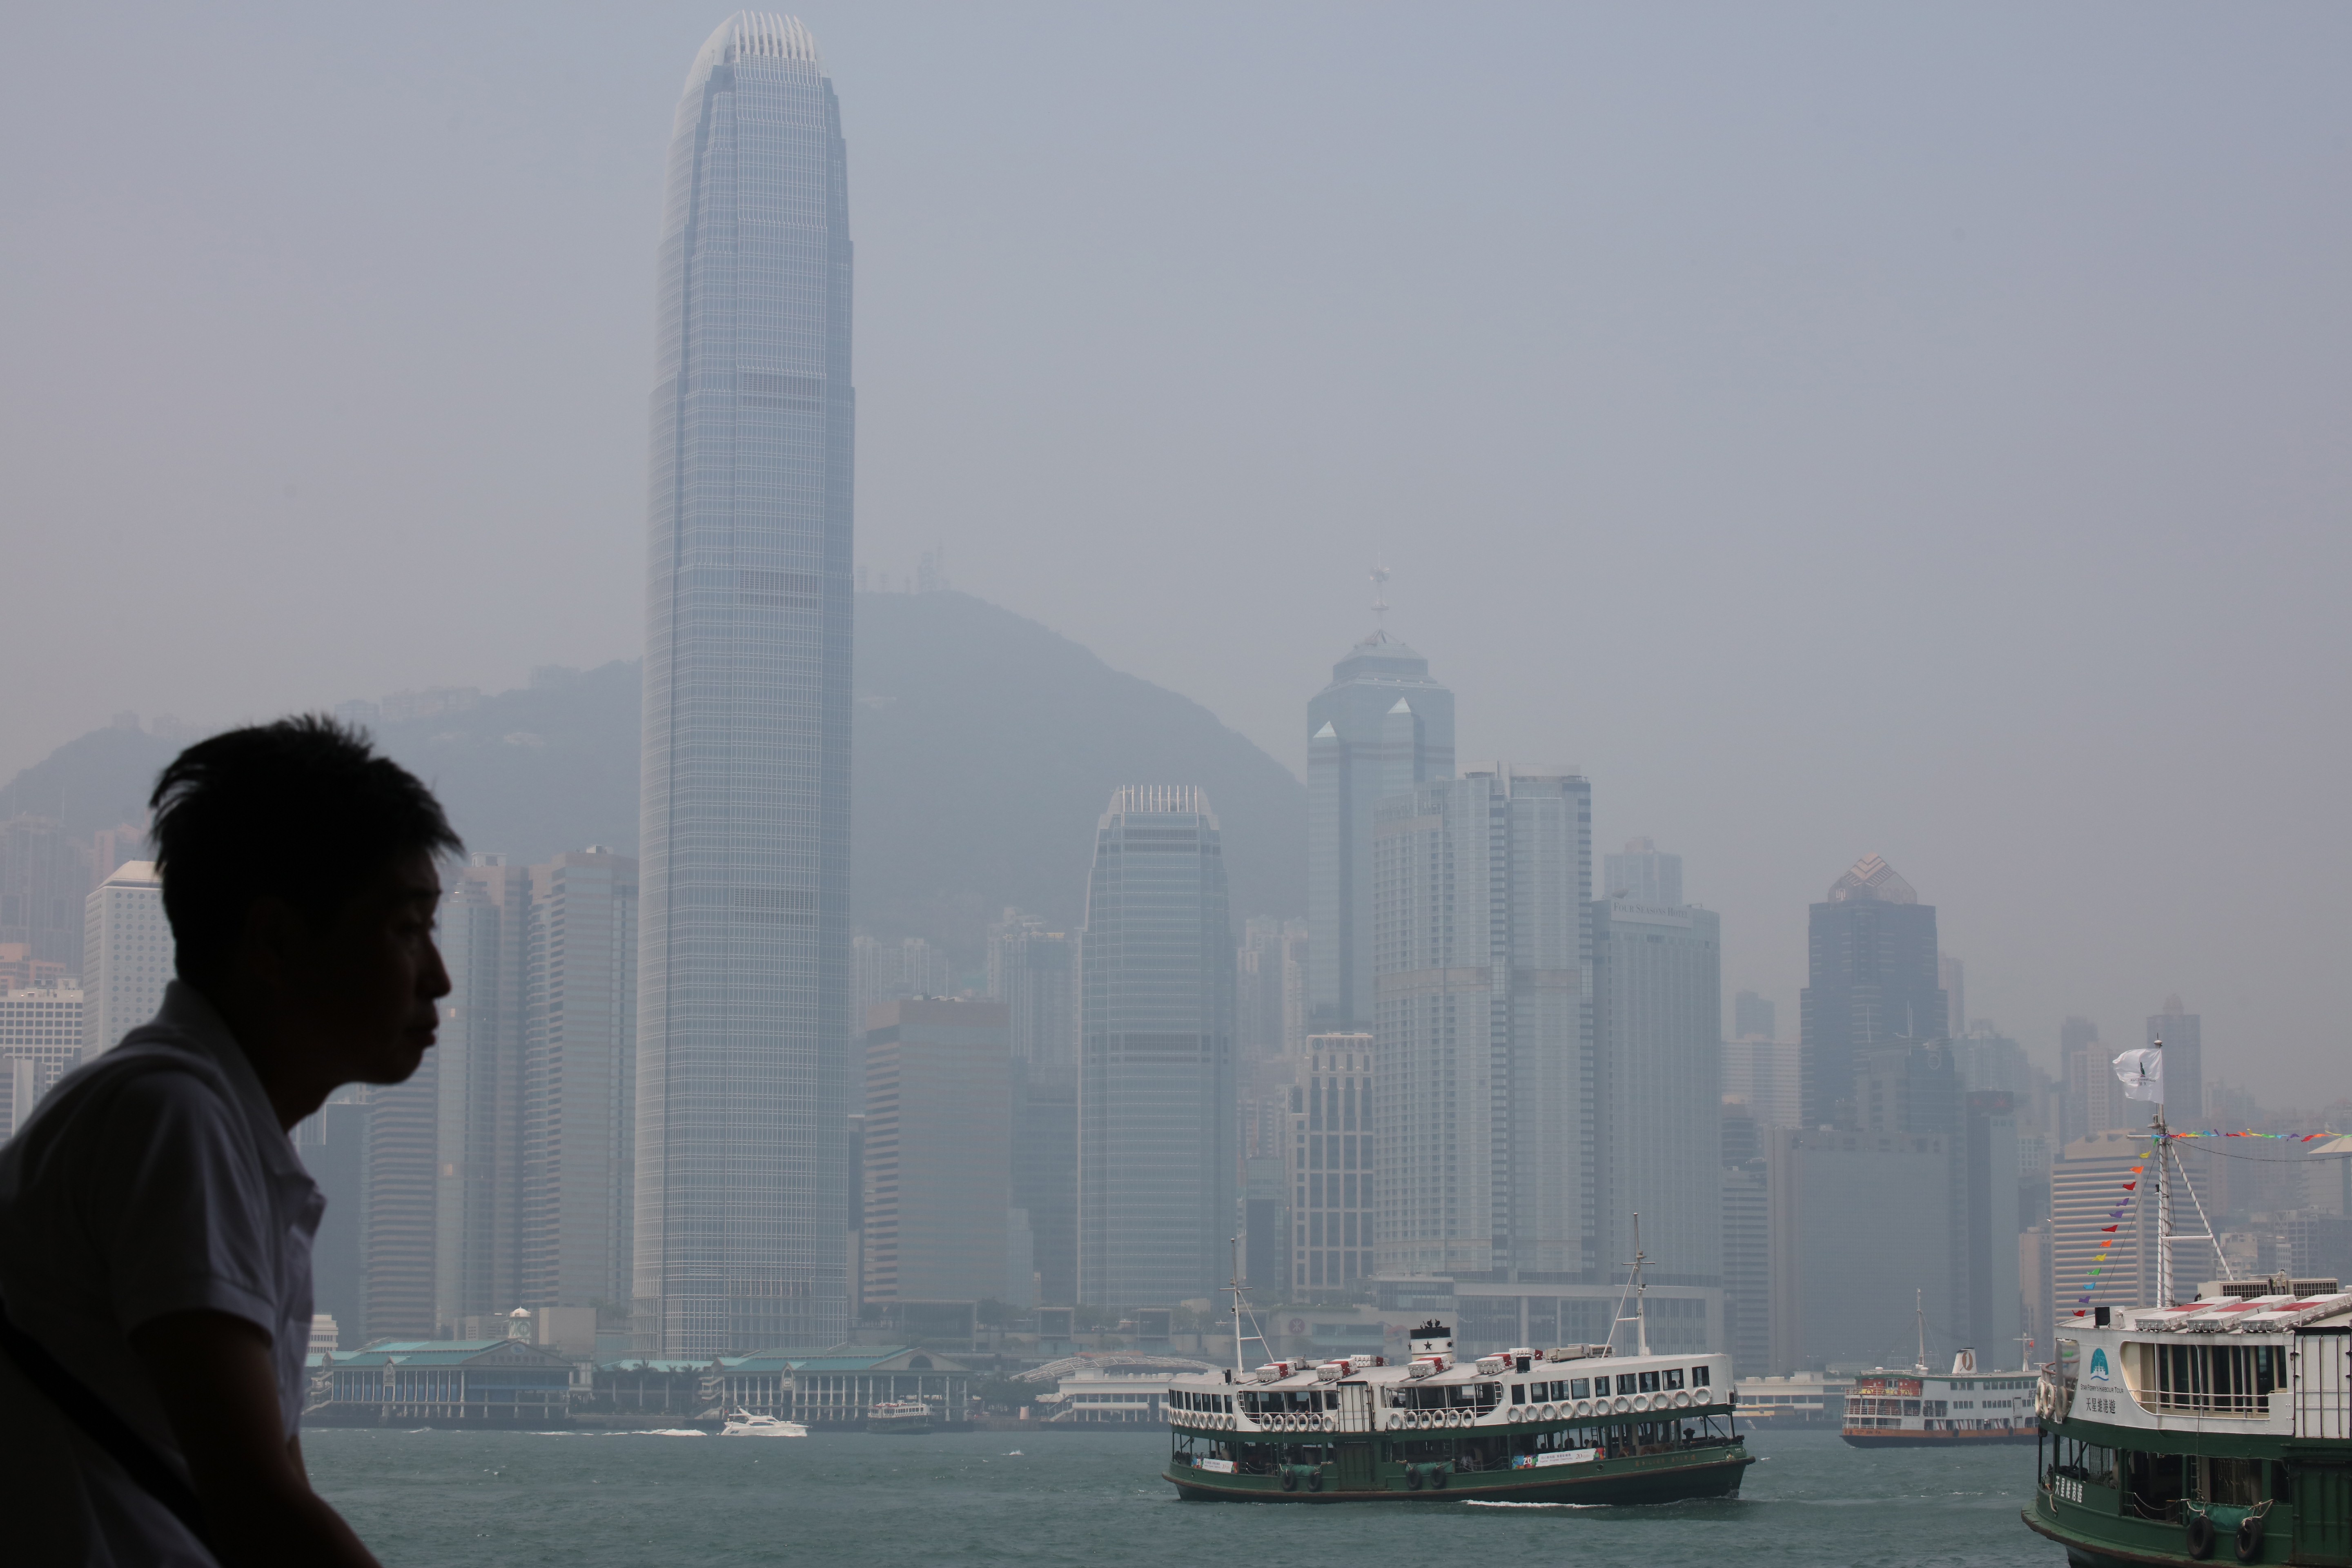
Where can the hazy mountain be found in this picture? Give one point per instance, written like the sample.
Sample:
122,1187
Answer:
985,747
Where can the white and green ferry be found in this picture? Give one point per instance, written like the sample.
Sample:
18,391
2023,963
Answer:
2219,1428
1576,1423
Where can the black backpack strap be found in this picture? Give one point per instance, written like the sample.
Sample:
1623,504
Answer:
102,1426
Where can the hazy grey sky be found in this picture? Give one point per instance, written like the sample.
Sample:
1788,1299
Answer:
1837,428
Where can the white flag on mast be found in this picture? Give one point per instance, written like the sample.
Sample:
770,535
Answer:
2142,1073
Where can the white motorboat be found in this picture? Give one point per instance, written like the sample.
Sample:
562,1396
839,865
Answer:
743,1424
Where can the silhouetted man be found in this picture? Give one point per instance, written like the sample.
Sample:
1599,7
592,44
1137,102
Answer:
155,1223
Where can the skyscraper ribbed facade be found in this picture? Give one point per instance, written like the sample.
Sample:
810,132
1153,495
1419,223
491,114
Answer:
1487,1116
1381,727
1157,1167
744,1020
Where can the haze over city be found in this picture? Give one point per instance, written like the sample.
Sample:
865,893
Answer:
1836,431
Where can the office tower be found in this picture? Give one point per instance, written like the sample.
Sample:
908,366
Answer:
2087,1196
744,984
1642,875
1269,978
2183,1036
1035,974
1986,1059
1333,1161
40,1042
1657,1021
939,1155
579,1080
127,955
1753,1017
1872,972
1486,1115
478,1091
1381,728
44,876
1915,1199
1747,1241
1953,976
1988,1309
1156,1122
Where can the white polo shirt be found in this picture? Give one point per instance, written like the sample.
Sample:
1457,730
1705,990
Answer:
154,1180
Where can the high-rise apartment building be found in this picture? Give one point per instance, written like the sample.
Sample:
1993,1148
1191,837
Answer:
1872,980
2091,1097
1270,988
1333,1161
1643,874
1156,1166
939,1222
883,971
1658,1019
1753,1017
1034,972
127,955
504,1164
2098,1181
579,1080
1487,1114
40,1042
744,981
477,1222
1953,976
1381,728
44,876
1747,1241
2182,1033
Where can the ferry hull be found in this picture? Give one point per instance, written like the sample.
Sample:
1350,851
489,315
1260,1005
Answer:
1714,1476
1936,1439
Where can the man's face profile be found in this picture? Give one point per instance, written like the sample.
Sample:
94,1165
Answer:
365,984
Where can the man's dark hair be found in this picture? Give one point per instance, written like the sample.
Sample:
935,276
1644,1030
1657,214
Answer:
302,809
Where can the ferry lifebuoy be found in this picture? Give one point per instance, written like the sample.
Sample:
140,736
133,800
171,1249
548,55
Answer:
1623,1403
1584,1407
1641,1402
1550,1413
1682,1400
1330,1423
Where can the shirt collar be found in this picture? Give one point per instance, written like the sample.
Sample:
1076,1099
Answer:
193,1018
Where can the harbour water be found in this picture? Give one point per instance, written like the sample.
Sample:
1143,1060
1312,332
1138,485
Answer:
512,1499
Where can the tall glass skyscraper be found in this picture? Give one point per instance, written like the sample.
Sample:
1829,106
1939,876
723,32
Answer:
1156,1166
744,1022
1381,728
1874,983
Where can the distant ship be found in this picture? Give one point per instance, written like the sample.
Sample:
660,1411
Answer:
1919,1410
906,1416
1577,1423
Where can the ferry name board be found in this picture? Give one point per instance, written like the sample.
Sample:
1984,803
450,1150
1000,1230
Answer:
1568,1457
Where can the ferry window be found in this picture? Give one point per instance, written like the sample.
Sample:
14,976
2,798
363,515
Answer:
1579,1389
1518,1394
1674,1377
1649,1382
1625,1383
2237,1482
1698,1377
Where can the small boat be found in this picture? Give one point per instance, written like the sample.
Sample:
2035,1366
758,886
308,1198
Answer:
906,1416
743,1424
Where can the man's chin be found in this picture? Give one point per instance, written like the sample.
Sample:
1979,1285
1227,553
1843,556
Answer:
398,1064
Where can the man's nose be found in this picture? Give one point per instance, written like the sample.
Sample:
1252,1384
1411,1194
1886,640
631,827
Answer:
433,980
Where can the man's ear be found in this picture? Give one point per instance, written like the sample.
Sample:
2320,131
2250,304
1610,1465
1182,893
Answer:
275,942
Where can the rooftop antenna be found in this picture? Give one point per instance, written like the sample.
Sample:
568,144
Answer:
1241,1363
1380,577
1919,1310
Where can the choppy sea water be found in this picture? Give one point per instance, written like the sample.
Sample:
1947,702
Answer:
484,1499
